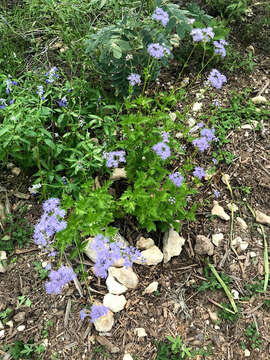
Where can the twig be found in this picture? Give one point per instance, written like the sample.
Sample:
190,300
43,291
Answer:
219,305
67,313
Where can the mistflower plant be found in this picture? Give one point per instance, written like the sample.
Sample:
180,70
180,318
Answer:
203,35
157,51
134,79
176,178
114,158
97,311
220,47
59,278
216,79
161,15
199,172
51,75
162,150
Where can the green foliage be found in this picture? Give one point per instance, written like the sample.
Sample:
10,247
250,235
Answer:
16,232
4,315
20,350
231,316
175,349
231,9
91,213
43,273
212,283
253,337
255,287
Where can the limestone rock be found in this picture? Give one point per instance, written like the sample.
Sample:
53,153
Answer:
105,322
219,211
2,334
115,303
140,332
262,218
21,328
114,287
1,325
127,357
196,106
16,171
19,317
259,100
203,246
151,288
217,239
172,244
118,173
125,276
233,207
143,243
152,256
3,258
241,222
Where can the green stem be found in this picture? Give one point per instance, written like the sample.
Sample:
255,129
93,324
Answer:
185,64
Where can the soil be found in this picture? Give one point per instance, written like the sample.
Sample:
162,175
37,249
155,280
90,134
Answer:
177,308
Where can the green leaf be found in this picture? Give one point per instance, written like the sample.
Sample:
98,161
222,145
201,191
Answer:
117,51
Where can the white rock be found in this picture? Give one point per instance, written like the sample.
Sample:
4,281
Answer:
114,287
16,171
235,294
225,179
252,254
217,239
140,332
143,243
247,353
247,127
259,100
237,241
151,288
10,323
219,211
213,316
21,328
3,258
115,303
127,357
2,334
125,276
243,245
241,222
118,173
1,325
262,218
172,245
233,207
105,322
203,246
196,106
172,116
152,256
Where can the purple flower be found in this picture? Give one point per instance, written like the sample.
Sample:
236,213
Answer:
62,102
3,103
50,204
48,267
209,134
83,314
114,157
98,311
197,35
199,172
134,79
157,51
191,21
176,178
217,103
214,161
208,33
11,101
216,79
203,35
201,143
9,84
216,193
58,278
162,150
219,47
165,136
40,92
161,15
51,75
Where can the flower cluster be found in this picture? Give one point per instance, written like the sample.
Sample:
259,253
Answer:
203,35
199,172
107,253
114,157
161,15
220,47
165,136
157,51
58,278
62,102
134,79
9,85
216,79
50,223
162,150
51,75
40,92
203,142
97,311
176,178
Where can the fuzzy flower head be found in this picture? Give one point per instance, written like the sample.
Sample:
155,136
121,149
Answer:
134,79
51,75
59,278
199,172
216,193
165,136
161,15
220,47
216,79
209,134
98,311
114,158
203,35
201,143
162,150
176,178
157,51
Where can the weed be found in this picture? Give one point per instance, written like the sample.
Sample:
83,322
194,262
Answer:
45,332
43,273
253,338
231,316
212,283
255,287
20,350
100,350
23,301
5,314
16,231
